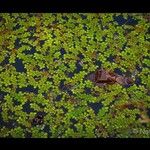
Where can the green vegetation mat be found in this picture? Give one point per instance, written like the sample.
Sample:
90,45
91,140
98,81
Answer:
45,59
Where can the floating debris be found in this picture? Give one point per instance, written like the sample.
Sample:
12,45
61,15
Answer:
38,120
102,77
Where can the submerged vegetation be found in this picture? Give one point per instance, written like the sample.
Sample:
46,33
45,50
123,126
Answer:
45,59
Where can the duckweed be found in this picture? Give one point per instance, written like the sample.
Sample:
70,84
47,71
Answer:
44,62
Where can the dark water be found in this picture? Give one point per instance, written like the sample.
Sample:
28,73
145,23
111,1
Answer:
5,61
31,51
87,90
81,56
28,89
73,123
98,63
111,58
47,130
2,95
83,16
65,88
27,108
42,42
118,71
32,29
62,51
78,67
70,74
17,27
19,65
139,69
10,124
58,97
64,109
17,43
137,81
96,107
121,21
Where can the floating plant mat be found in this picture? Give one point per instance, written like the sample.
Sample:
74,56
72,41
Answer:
74,75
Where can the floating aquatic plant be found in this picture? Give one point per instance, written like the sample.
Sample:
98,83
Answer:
45,63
